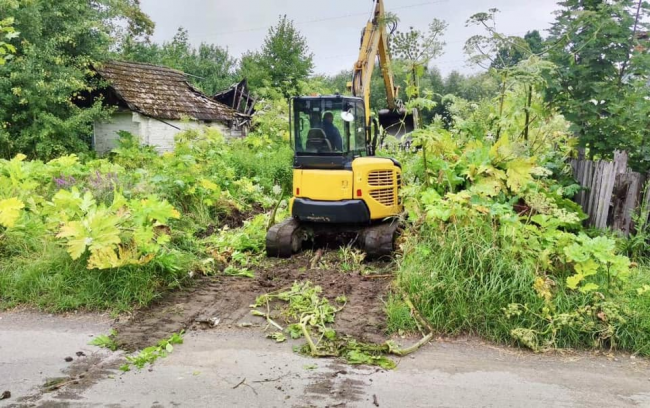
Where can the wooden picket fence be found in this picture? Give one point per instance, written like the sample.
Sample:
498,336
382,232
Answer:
612,192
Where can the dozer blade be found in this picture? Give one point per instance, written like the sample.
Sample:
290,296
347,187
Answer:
396,123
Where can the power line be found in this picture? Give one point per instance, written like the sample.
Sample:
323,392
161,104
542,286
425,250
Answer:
320,20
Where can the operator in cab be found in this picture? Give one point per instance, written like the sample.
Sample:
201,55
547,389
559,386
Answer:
331,132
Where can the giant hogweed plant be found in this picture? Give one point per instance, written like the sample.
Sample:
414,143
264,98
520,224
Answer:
115,212
474,181
127,232
40,200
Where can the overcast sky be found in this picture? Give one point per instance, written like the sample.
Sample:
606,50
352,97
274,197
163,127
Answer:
241,25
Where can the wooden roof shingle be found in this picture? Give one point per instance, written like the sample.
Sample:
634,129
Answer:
161,92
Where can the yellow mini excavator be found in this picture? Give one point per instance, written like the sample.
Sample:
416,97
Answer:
338,186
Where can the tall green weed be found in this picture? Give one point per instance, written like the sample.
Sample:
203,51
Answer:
466,279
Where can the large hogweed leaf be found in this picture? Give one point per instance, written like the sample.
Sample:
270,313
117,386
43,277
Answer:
125,233
18,176
487,186
520,173
107,258
503,150
576,253
97,231
583,270
152,210
67,205
593,256
65,166
10,211
444,145
602,248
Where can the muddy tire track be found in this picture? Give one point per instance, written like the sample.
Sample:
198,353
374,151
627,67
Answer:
227,300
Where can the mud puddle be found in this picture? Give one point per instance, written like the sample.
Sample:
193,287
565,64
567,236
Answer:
218,301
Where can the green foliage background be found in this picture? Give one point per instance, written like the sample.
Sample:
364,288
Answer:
51,71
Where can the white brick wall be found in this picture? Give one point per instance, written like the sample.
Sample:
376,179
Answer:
150,131
105,136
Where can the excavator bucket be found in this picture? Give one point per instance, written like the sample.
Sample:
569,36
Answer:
397,123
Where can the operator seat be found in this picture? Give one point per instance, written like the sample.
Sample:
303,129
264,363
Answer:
317,141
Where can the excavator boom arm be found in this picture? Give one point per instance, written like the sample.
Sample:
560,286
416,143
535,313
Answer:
374,43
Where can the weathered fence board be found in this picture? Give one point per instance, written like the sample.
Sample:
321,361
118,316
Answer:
612,192
627,198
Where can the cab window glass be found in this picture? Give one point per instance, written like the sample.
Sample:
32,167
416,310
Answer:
359,126
319,127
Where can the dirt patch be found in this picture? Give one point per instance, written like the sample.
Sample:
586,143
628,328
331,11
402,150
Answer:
233,218
87,371
225,301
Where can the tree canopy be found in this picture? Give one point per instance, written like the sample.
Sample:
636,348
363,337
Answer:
283,62
601,82
52,70
209,67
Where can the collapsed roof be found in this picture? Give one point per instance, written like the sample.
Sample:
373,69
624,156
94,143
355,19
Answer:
161,92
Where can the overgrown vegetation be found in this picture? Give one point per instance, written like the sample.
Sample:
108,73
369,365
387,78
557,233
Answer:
498,248
116,232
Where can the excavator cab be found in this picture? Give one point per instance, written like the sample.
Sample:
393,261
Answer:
339,188
329,126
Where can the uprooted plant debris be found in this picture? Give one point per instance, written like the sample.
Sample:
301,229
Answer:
311,316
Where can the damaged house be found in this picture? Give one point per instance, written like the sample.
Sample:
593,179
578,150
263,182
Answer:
238,97
155,103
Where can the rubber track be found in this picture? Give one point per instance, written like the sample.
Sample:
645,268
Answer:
379,240
279,239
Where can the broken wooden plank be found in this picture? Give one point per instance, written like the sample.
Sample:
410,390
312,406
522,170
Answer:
601,186
626,200
590,173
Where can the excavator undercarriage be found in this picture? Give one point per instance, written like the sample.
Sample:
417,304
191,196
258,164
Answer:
288,237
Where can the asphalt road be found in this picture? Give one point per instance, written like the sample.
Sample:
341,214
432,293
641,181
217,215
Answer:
225,367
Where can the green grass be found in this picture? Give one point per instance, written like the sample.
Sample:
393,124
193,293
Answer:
463,281
398,316
635,334
50,280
